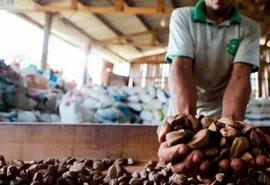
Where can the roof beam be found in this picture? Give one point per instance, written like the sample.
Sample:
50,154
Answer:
143,21
80,30
74,4
267,39
152,59
29,19
265,27
165,29
126,10
135,44
119,5
113,28
160,5
174,3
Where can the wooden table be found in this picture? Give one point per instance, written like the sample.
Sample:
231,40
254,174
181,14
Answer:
34,141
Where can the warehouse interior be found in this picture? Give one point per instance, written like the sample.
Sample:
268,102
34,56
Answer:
88,79
109,43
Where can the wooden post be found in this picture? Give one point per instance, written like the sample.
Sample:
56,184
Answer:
260,79
85,72
47,31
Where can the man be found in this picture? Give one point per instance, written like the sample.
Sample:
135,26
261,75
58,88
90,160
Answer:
212,50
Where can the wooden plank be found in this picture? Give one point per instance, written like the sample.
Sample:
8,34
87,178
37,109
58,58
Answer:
268,81
141,18
74,4
110,26
163,29
29,19
160,5
259,15
154,37
260,81
97,9
92,40
119,5
86,60
136,44
267,39
38,141
46,37
158,58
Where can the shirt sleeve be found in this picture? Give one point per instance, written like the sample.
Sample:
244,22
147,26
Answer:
249,48
180,40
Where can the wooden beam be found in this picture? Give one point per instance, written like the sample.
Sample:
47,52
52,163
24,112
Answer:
142,19
160,5
149,62
80,30
267,40
46,37
265,27
137,44
119,5
113,28
74,4
154,37
261,2
165,29
152,59
174,3
86,60
126,10
32,21
91,9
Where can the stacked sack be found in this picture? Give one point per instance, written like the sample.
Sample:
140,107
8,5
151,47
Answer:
91,104
258,111
25,97
150,103
99,104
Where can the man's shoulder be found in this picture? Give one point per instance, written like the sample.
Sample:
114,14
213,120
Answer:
246,22
183,12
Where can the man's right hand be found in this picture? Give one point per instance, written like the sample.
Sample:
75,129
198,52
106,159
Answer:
181,159
193,163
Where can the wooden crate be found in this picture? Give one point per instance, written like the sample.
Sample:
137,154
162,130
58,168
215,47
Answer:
40,141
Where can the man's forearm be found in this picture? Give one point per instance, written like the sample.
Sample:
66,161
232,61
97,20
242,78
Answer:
182,87
236,98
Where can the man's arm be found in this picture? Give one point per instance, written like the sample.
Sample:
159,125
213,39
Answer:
182,86
238,91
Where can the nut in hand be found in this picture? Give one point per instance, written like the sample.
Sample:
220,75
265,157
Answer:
239,147
200,139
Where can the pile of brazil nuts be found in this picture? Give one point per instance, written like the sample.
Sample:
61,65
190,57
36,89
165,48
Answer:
221,139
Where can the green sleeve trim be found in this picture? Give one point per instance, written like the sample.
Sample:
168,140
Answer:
169,59
255,69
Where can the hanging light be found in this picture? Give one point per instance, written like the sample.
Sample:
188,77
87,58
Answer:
163,22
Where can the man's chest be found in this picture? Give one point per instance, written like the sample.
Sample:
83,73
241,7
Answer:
211,40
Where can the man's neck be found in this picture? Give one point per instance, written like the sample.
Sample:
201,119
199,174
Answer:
218,16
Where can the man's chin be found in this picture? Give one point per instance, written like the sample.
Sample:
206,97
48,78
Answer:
219,7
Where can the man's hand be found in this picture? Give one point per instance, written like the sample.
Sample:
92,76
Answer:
193,163
182,160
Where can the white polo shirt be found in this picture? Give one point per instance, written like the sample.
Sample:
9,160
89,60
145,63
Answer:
214,49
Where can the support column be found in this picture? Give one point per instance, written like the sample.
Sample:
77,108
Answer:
47,32
85,72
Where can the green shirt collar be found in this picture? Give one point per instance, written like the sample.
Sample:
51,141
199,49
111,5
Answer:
199,14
